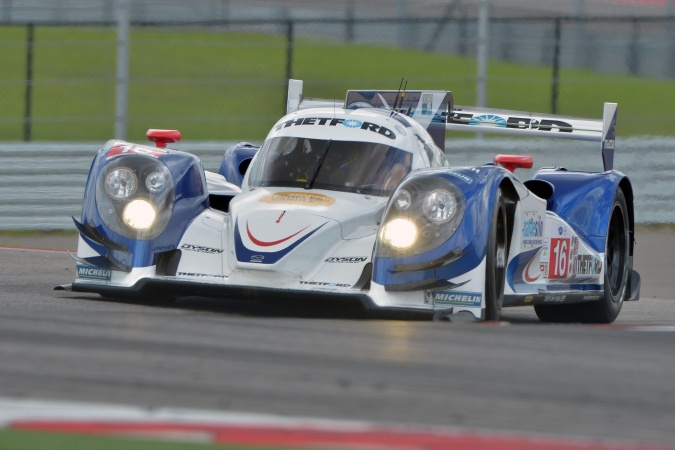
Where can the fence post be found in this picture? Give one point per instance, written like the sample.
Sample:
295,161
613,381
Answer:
289,60
349,22
27,119
634,49
122,82
556,68
482,52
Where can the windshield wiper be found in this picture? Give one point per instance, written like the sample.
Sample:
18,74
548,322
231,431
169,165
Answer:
317,164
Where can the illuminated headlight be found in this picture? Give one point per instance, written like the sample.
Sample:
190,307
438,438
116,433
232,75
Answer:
156,181
403,199
439,206
139,214
400,233
120,183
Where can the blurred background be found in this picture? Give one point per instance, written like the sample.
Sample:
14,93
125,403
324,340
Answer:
76,73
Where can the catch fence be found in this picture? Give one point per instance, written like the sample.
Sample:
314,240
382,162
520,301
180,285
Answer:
226,79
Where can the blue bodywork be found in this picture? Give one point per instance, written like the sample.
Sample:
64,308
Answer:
190,199
236,161
584,200
465,248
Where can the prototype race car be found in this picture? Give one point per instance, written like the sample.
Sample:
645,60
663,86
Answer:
356,199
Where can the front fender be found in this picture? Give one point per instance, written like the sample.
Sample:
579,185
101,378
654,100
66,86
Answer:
449,257
107,235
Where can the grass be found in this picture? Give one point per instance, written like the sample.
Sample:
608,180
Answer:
220,85
29,440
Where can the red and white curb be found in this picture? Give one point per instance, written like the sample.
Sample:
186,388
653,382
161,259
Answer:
269,430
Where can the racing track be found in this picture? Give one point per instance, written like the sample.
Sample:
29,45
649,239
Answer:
338,362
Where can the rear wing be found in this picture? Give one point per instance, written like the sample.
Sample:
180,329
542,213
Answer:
519,123
473,119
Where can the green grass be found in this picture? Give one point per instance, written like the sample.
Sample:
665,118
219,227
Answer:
216,85
30,440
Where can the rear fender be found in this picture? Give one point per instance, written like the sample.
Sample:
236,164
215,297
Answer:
584,200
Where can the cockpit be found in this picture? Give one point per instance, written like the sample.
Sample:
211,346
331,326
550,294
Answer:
348,166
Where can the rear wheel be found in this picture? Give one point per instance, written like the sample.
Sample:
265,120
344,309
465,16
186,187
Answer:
617,265
617,268
496,256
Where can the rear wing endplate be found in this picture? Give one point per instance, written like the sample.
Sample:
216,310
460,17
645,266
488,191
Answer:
498,121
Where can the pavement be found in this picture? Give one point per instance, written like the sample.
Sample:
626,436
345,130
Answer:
654,253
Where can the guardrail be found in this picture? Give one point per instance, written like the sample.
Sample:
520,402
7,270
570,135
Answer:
41,184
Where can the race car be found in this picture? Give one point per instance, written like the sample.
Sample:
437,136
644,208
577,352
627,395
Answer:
355,199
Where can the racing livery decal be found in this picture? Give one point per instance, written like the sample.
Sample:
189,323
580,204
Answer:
245,254
262,243
93,273
298,198
201,249
452,298
333,121
346,259
533,230
521,123
134,150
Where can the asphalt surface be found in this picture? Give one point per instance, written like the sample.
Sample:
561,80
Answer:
337,361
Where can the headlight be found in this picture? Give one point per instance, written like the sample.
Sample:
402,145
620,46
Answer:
439,206
120,183
139,214
399,233
423,214
156,181
135,196
403,199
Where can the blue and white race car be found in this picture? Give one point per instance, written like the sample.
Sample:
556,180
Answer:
356,199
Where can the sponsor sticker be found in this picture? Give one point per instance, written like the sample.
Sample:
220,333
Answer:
200,275
298,198
533,230
452,298
334,121
323,283
93,273
521,123
488,120
555,297
461,176
201,249
346,259
587,265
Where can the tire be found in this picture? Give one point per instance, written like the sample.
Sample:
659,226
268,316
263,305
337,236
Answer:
496,257
617,269
617,265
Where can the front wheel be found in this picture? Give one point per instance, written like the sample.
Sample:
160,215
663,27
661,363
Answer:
496,257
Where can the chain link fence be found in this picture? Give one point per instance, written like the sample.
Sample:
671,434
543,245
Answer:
224,79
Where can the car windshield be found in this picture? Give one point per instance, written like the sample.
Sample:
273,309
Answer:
359,167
